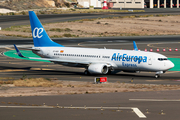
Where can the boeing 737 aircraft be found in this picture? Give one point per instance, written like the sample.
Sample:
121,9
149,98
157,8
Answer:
95,61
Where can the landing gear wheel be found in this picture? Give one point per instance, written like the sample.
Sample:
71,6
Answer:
157,75
86,72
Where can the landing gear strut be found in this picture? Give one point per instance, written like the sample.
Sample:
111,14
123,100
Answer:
157,75
86,72
109,72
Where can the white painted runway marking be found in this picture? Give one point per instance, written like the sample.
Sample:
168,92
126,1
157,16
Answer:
136,110
120,40
161,100
169,72
26,107
139,113
85,44
92,41
9,46
152,44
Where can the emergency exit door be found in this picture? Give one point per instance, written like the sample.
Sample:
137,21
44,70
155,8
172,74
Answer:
150,60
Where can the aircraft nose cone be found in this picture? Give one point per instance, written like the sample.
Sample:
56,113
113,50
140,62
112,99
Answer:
171,65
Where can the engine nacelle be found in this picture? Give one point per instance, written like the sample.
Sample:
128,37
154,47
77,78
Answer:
98,69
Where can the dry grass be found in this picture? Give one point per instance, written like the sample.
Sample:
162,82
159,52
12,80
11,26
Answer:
42,82
42,86
6,82
37,82
113,26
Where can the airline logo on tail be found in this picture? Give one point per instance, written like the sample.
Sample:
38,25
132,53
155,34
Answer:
37,32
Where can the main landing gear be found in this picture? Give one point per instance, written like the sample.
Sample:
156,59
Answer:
86,72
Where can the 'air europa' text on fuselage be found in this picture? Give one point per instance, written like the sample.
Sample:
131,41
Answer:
128,58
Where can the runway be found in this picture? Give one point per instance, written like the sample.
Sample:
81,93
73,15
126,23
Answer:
17,68
161,105
126,106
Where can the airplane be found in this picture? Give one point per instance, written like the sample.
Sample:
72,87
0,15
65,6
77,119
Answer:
94,60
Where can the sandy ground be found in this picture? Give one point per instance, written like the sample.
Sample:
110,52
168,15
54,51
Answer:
166,25
74,87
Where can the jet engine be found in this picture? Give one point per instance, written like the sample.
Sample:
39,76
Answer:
98,69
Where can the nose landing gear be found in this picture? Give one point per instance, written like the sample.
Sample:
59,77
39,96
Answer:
159,72
157,75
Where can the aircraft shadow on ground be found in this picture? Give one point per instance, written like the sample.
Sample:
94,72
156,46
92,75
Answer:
7,68
75,73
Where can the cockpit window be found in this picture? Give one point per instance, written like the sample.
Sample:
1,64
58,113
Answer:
162,59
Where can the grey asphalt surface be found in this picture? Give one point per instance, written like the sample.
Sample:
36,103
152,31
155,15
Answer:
13,67
165,104
8,21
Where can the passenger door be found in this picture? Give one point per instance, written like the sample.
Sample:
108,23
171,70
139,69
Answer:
150,60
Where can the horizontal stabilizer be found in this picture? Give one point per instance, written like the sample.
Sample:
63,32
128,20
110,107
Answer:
18,52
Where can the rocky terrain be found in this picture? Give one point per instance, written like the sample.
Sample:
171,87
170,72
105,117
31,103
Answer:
20,5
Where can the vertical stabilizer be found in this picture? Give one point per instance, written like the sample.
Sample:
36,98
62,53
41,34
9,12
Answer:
40,37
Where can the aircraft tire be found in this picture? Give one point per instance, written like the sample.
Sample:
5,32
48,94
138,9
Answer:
157,75
86,72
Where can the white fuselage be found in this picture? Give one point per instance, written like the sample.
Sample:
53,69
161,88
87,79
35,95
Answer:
125,60
96,61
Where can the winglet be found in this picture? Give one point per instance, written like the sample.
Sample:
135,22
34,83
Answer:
18,52
135,46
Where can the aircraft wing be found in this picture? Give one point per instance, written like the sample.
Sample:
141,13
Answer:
50,59
69,61
57,60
